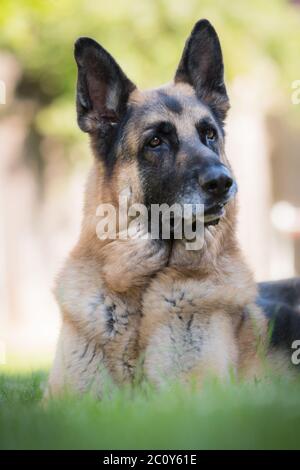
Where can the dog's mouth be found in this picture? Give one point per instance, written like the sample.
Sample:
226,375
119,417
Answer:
213,214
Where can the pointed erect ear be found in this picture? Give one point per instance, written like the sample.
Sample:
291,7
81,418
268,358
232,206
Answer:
102,87
201,66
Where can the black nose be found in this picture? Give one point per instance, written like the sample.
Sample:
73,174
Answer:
216,181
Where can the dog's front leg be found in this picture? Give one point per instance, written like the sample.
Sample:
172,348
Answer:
98,332
195,326
100,318
185,333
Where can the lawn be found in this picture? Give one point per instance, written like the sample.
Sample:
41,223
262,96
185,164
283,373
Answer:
264,415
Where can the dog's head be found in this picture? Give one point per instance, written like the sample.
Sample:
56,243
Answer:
167,144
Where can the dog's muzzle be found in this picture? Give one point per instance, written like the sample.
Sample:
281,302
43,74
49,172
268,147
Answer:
218,187
215,211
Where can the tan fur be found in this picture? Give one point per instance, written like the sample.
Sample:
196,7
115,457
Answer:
187,313
199,314
101,284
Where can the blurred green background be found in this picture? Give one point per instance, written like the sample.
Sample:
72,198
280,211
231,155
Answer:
146,37
43,166
45,158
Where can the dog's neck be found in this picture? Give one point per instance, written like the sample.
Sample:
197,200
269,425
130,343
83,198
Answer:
219,242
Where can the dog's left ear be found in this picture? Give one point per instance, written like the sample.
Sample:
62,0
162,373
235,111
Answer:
201,66
102,88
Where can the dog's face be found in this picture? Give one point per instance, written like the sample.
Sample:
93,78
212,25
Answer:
171,139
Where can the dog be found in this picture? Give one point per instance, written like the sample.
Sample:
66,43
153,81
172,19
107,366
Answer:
151,303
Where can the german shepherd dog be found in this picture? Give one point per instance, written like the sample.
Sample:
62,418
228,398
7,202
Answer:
141,300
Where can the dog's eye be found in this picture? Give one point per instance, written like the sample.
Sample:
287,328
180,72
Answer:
154,142
210,134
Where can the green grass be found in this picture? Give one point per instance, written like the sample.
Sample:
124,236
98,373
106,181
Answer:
233,416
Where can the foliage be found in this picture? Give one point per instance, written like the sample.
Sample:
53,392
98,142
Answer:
236,416
146,37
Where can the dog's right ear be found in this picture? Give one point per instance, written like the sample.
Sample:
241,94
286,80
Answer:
102,88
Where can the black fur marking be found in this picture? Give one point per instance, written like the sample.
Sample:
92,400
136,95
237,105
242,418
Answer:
93,355
110,321
189,323
286,291
171,102
284,322
115,324
165,128
182,294
170,301
280,301
91,359
85,351
127,364
157,167
107,141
